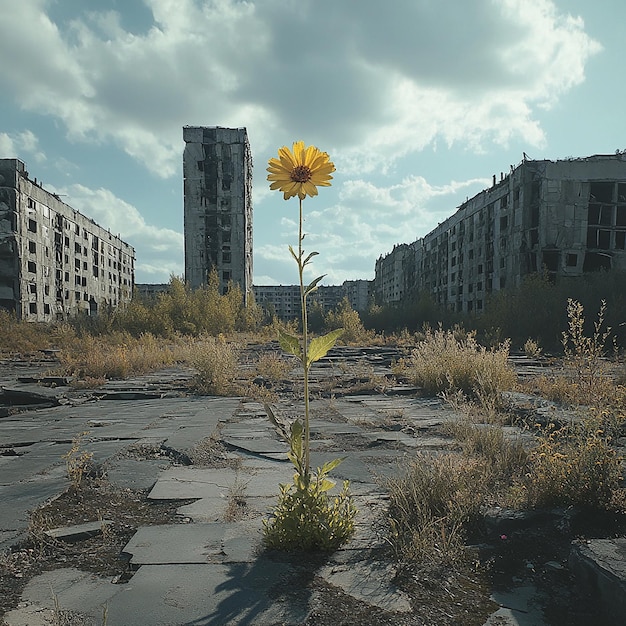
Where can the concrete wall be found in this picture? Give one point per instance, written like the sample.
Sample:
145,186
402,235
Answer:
54,261
564,217
217,170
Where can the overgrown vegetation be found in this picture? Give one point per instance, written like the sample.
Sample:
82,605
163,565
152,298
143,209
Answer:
447,361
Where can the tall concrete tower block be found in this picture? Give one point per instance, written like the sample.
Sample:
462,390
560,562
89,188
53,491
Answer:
217,171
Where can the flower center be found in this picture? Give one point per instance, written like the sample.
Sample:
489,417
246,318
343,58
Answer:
301,174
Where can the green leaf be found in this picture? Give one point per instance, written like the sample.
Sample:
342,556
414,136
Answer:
319,347
326,485
328,467
290,343
313,286
296,453
311,255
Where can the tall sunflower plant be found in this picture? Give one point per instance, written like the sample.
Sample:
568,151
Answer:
307,516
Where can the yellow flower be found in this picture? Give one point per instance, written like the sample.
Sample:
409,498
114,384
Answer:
298,172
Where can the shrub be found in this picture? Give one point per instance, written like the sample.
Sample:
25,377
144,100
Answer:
216,361
273,366
573,465
446,361
348,319
532,349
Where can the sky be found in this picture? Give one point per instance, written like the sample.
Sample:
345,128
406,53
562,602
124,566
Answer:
418,103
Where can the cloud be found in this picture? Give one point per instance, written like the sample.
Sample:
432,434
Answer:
22,143
367,219
370,84
158,251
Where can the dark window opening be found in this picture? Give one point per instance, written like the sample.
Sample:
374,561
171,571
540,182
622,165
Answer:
32,247
594,262
601,191
32,267
32,307
46,309
620,240
571,260
620,219
604,239
32,226
551,261
504,222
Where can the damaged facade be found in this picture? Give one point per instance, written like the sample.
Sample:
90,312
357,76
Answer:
217,171
564,217
284,300
54,261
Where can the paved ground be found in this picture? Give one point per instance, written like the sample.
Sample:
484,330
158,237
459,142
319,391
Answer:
208,571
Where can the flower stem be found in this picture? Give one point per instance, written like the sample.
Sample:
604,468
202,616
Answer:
305,347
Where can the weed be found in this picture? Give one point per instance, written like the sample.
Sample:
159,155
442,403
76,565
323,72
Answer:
532,349
432,503
272,366
573,465
584,354
78,461
216,361
307,517
505,457
236,500
449,360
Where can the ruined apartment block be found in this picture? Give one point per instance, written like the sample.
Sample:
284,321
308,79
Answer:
54,261
284,300
565,217
217,170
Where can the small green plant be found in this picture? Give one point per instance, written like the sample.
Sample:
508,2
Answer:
78,461
307,517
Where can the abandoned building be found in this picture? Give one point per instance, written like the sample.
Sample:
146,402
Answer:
284,300
54,261
217,171
564,217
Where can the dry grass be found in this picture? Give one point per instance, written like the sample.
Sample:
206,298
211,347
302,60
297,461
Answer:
216,361
273,366
116,356
572,465
447,361
432,503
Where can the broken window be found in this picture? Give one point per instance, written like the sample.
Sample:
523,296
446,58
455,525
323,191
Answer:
601,191
604,239
595,262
